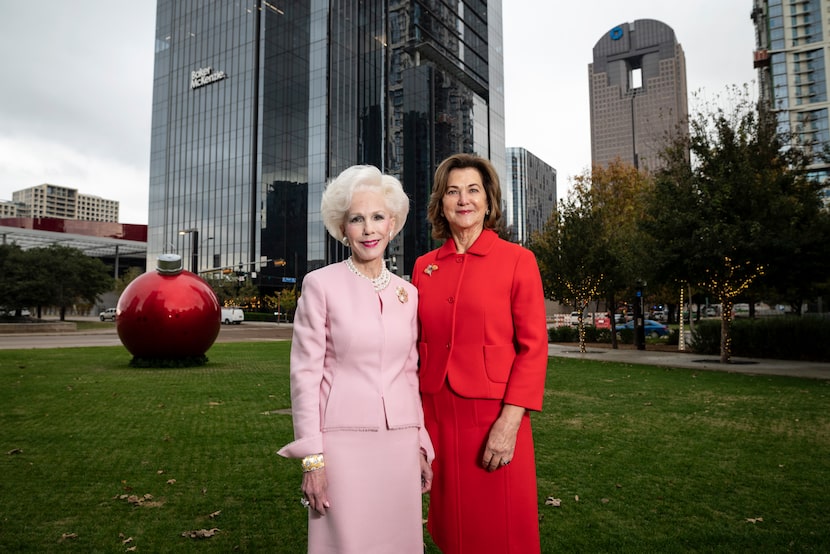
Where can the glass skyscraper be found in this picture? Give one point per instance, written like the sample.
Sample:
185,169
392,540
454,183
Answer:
534,193
257,104
791,57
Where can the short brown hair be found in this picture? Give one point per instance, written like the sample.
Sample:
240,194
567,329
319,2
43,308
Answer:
490,180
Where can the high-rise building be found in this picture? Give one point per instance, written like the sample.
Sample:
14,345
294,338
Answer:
257,105
792,41
63,202
533,184
637,93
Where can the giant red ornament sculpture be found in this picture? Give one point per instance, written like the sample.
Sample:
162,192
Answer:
168,314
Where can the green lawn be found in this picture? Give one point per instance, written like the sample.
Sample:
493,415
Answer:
643,459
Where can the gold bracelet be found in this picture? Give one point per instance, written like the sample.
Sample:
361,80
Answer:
313,463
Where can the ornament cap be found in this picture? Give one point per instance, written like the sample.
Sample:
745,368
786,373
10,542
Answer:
169,264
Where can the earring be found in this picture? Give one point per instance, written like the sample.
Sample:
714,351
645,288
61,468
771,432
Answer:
487,212
390,235
345,241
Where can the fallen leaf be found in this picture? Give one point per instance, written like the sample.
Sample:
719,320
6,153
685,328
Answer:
754,519
66,536
551,501
200,533
215,514
171,481
135,499
605,501
128,540
576,498
132,549
14,451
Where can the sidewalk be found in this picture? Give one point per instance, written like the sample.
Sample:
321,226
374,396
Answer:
752,366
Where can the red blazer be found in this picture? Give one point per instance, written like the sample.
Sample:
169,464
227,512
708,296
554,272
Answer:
482,321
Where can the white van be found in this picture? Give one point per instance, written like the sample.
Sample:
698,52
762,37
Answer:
232,315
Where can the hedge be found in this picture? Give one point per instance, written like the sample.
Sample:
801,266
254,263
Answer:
803,338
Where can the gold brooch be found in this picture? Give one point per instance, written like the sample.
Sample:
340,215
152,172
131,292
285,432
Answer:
430,268
403,297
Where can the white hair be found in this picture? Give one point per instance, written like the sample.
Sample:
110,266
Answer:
337,198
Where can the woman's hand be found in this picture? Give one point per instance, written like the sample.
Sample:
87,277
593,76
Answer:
315,490
426,475
501,443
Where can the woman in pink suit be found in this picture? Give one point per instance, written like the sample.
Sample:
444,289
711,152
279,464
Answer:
483,355
358,421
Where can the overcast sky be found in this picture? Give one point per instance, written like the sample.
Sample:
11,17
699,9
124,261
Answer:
76,83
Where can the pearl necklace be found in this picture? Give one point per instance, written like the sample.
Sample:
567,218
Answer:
378,283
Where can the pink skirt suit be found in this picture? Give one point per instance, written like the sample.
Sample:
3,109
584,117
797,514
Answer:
483,343
354,396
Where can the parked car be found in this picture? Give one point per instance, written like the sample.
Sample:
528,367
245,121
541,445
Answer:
232,315
652,328
602,321
587,318
107,315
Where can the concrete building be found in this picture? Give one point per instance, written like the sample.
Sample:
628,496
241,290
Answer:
533,183
9,209
63,202
637,93
256,106
792,41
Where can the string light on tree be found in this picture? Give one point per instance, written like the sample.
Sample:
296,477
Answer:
726,284
581,294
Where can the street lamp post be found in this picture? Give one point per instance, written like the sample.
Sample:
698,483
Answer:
194,248
639,316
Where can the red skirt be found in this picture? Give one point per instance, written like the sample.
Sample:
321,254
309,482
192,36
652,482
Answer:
472,510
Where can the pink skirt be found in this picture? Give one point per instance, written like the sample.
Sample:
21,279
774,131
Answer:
472,510
374,483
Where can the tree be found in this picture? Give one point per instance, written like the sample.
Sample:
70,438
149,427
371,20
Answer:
126,278
565,250
75,277
50,276
616,194
732,211
24,275
282,302
13,280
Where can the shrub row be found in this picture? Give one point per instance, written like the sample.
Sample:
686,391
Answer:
784,338
260,316
569,333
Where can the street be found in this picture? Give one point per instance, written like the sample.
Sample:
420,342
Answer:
245,332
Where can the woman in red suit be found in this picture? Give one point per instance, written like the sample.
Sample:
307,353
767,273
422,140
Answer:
483,357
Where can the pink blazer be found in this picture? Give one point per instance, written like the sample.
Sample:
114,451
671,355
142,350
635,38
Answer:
482,318
354,359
